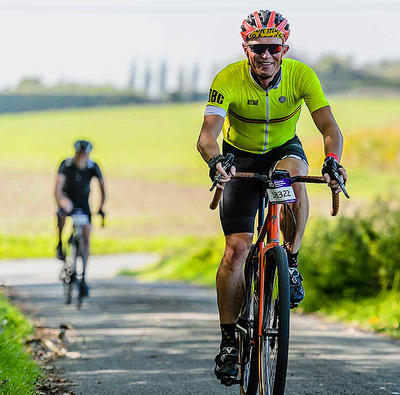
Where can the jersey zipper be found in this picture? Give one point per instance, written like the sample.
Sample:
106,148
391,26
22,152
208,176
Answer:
267,120
266,123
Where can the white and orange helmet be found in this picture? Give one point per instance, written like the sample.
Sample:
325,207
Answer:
265,23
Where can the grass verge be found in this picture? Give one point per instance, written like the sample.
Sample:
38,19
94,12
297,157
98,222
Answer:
18,372
39,246
192,259
380,313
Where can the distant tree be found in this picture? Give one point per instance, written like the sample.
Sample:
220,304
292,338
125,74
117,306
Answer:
214,69
338,74
147,80
195,78
132,75
332,63
181,80
386,69
163,77
30,84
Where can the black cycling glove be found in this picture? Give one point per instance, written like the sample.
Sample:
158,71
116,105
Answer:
212,164
331,166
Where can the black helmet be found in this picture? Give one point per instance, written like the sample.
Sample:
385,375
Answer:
83,146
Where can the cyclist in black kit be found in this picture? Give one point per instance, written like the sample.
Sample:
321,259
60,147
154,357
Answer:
73,188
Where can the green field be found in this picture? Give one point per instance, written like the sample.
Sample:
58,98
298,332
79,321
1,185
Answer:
157,183
158,142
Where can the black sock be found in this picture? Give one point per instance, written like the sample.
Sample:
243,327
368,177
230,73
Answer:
292,259
228,335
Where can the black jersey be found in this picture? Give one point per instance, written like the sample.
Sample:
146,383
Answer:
77,181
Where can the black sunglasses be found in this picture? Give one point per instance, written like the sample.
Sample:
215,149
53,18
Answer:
260,49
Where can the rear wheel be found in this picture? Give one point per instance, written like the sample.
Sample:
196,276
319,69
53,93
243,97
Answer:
274,340
247,328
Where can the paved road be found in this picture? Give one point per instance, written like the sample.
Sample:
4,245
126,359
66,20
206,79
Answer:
135,338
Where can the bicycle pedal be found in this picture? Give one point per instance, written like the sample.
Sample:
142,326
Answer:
228,381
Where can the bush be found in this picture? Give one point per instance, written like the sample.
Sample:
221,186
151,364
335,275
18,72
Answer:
352,258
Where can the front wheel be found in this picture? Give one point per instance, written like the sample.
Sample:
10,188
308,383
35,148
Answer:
274,340
80,274
247,328
68,276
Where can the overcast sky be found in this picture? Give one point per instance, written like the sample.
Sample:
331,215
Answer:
96,41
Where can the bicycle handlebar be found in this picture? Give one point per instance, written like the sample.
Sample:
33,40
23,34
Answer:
216,199
320,180
265,179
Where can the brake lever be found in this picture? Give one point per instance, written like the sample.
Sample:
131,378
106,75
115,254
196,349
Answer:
226,166
336,175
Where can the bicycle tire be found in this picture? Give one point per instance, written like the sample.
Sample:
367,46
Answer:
67,291
273,344
70,277
79,297
248,357
79,275
68,287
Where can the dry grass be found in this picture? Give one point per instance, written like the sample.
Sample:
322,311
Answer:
134,207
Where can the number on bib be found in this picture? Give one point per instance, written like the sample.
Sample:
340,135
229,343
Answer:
281,191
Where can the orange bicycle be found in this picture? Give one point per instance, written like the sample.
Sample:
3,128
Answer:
263,324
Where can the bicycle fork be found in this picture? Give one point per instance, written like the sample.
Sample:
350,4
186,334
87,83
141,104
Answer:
272,232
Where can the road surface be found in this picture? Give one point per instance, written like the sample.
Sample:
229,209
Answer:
137,338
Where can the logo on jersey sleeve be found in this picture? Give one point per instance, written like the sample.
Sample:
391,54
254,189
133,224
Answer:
252,102
215,97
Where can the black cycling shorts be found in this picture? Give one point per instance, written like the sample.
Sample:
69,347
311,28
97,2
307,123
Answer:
81,204
239,203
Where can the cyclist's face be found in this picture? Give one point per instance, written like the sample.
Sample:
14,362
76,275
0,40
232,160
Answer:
81,159
264,66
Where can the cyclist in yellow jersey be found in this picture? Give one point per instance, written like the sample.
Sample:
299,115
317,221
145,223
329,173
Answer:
261,119
257,103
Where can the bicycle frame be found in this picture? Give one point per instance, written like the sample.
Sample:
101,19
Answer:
270,229
268,238
76,250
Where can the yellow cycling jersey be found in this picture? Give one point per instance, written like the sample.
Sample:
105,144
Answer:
258,120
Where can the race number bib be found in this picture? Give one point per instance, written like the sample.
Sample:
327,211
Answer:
281,191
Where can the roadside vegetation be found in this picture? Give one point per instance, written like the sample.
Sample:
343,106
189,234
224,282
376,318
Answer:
18,372
351,267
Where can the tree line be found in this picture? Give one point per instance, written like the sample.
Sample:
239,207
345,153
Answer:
337,75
